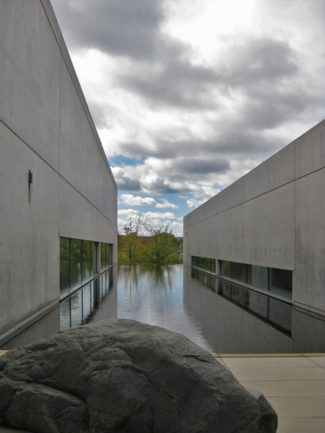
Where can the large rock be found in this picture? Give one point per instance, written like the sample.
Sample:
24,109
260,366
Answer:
124,376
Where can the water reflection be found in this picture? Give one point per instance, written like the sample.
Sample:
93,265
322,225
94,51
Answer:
154,295
222,319
273,311
235,319
80,307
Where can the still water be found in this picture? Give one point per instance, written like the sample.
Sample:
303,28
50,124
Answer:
154,295
222,318
219,318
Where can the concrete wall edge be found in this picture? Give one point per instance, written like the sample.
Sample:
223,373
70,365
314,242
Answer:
49,12
27,322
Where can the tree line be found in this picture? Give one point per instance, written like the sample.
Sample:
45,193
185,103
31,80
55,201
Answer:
160,246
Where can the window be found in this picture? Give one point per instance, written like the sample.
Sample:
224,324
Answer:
272,280
64,263
259,277
106,254
204,263
280,282
78,261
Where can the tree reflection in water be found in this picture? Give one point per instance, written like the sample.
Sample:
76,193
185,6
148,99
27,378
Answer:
154,294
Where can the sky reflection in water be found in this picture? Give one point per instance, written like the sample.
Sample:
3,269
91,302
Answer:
154,295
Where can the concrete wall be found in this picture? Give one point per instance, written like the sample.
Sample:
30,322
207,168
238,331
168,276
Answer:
45,128
274,216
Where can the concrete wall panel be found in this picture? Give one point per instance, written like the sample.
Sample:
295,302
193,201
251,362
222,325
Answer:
29,260
79,219
260,232
45,127
273,216
310,151
30,76
309,280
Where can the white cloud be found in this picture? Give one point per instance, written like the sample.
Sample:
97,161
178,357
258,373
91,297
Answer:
192,203
126,212
132,200
165,204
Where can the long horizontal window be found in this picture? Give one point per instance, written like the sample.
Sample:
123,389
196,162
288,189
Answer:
105,255
77,261
205,263
272,280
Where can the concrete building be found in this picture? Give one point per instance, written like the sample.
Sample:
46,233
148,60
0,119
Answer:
58,211
266,232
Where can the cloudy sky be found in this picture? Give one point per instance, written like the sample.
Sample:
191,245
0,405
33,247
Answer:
188,96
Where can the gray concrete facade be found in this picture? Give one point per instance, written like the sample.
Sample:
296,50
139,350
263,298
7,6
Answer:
45,129
274,216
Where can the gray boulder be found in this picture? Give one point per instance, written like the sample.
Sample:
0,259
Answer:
123,376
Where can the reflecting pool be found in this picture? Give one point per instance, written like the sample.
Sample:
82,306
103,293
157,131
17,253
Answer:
154,295
222,318
217,315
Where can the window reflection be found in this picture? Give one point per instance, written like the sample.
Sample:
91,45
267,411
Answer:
78,308
78,261
274,311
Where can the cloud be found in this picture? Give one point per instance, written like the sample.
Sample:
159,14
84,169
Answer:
149,220
122,28
165,204
132,200
192,203
128,212
195,103
158,176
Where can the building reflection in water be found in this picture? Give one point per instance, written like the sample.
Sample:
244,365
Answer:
274,311
80,307
92,302
224,318
235,319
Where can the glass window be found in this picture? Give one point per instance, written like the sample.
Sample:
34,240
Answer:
225,268
280,282
76,261
104,249
204,263
239,272
86,260
110,252
259,277
64,263
93,257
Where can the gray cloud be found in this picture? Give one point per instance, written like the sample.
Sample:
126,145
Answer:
121,27
197,165
265,61
258,86
252,63
175,82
